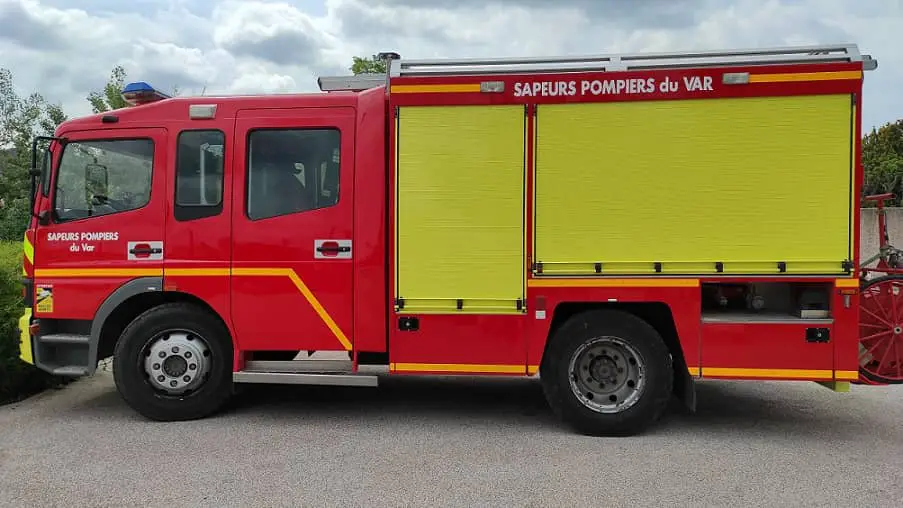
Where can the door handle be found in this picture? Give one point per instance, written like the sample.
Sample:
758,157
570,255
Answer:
145,250
333,248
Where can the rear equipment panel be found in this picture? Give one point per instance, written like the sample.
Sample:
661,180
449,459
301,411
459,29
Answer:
697,186
460,208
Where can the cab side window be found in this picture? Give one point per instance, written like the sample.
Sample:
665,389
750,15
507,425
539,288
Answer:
199,174
292,171
103,177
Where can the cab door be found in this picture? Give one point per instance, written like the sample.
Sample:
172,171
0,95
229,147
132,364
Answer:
292,249
105,226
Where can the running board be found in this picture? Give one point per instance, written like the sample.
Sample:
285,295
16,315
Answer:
298,378
300,366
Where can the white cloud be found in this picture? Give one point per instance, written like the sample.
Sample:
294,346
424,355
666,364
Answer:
253,78
273,32
66,48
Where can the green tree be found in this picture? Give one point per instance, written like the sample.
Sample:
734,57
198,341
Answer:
367,65
21,119
882,160
110,97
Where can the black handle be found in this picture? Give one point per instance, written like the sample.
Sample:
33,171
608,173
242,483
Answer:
146,250
343,248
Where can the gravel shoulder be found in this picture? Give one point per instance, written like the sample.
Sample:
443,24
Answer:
453,442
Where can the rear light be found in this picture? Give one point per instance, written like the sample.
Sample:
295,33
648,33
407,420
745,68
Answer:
34,327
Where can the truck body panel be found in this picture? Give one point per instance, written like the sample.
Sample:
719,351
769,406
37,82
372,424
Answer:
460,208
692,183
454,223
283,226
371,294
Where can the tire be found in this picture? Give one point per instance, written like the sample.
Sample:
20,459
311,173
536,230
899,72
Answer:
599,344
205,348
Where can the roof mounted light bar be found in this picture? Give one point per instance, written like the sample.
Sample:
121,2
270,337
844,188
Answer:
636,61
140,92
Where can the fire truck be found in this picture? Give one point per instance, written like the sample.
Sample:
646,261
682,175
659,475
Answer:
617,226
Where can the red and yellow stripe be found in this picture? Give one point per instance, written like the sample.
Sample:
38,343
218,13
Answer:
788,77
776,77
437,88
288,273
27,255
458,368
776,374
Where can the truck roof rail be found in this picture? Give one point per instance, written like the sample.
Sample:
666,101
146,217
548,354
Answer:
632,61
353,83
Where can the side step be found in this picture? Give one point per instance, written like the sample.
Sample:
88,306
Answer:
64,338
297,378
307,372
299,366
67,370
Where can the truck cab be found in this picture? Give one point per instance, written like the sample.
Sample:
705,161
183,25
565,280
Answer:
238,209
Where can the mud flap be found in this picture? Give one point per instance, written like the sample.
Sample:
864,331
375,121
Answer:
684,386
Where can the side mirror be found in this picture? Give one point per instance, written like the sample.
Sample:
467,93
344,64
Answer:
96,179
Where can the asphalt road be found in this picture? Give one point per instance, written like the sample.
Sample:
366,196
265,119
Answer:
432,442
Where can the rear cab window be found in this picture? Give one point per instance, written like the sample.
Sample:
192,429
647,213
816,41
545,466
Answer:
292,171
199,174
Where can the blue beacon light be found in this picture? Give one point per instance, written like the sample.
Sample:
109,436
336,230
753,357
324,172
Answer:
141,93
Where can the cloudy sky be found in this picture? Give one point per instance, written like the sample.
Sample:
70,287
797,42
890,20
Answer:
66,48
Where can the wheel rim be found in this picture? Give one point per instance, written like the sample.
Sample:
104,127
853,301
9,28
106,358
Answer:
177,362
881,331
607,375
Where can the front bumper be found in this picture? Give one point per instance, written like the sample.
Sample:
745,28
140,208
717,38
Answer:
25,350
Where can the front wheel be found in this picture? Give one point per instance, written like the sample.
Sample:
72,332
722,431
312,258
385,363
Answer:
174,362
607,373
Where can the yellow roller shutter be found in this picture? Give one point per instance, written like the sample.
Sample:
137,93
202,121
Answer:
460,208
750,183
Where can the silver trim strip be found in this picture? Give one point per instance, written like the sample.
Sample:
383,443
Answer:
298,366
634,61
289,378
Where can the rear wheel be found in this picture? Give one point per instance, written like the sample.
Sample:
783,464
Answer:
174,362
607,373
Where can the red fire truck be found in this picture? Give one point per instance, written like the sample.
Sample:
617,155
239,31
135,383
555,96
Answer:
618,226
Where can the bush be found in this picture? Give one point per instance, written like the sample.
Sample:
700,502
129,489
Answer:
13,218
17,379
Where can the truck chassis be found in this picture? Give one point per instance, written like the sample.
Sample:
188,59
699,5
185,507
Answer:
617,225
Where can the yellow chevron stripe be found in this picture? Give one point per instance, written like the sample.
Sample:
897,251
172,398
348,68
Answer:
28,249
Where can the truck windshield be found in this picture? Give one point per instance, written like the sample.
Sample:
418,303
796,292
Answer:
103,177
